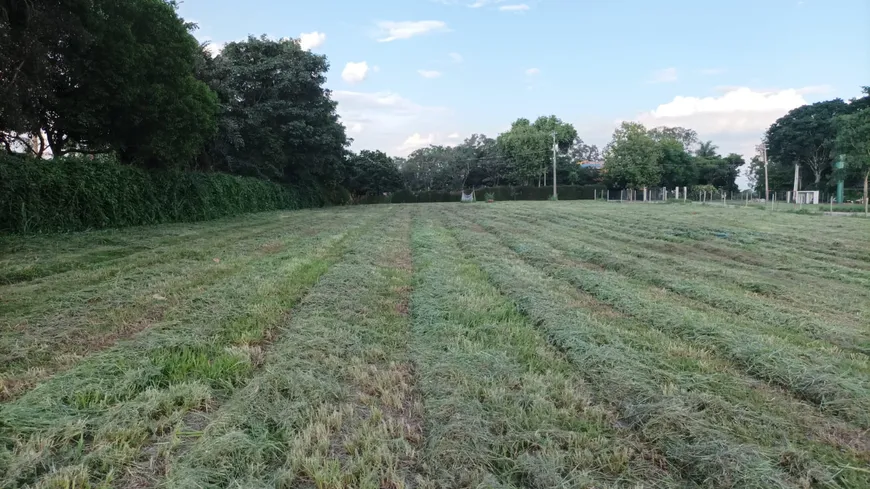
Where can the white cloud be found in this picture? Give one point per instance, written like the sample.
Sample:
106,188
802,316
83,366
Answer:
394,31
355,128
735,120
738,110
355,72
533,72
429,73
514,8
311,40
456,57
666,75
414,142
386,118
455,135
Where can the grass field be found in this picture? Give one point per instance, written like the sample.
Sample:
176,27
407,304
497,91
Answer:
506,345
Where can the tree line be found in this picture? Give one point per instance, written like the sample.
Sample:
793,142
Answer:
523,156
128,79
811,137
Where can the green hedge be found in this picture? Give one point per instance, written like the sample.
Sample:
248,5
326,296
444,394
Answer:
566,192
74,194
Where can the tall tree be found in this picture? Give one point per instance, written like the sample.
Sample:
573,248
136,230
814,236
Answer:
706,149
529,146
372,173
678,166
853,140
806,136
633,158
687,137
278,120
119,79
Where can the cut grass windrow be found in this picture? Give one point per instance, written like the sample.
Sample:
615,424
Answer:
335,403
29,257
844,391
726,261
767,318
657,394
502,407
34,346
89,424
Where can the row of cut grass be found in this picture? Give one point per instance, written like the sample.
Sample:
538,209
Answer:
612,256
335,403
503,408
668,394
842,390
91,423
69,326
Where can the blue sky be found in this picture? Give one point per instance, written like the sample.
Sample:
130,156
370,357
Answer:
436,71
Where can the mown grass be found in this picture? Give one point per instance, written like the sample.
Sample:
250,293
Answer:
335,404
502,407
90,424
653,379
522,344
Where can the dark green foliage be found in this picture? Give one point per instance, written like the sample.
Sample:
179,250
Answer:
805,136
72,194
110,77
277,119
371,173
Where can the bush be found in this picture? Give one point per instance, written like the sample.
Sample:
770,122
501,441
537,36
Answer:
73,194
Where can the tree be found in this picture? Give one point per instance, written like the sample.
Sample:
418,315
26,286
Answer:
806,136
633,158
277,121
853,140
119,79
372,173
678,166
687,137
529,146
707,149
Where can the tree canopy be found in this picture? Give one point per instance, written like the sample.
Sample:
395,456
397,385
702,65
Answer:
805,136
114,77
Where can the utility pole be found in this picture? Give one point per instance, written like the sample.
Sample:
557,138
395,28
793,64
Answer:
555,194
762,148
797,173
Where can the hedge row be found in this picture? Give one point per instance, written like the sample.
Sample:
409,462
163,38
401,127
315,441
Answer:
566,192
74,194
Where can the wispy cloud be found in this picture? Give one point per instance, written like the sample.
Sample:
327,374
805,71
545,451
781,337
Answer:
521,7
533,72
667,75
429,73
456,57
393,31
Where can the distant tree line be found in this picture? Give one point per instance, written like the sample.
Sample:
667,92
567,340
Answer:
523,156
812,137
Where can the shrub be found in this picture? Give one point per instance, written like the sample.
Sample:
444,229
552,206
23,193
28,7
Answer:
73,194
